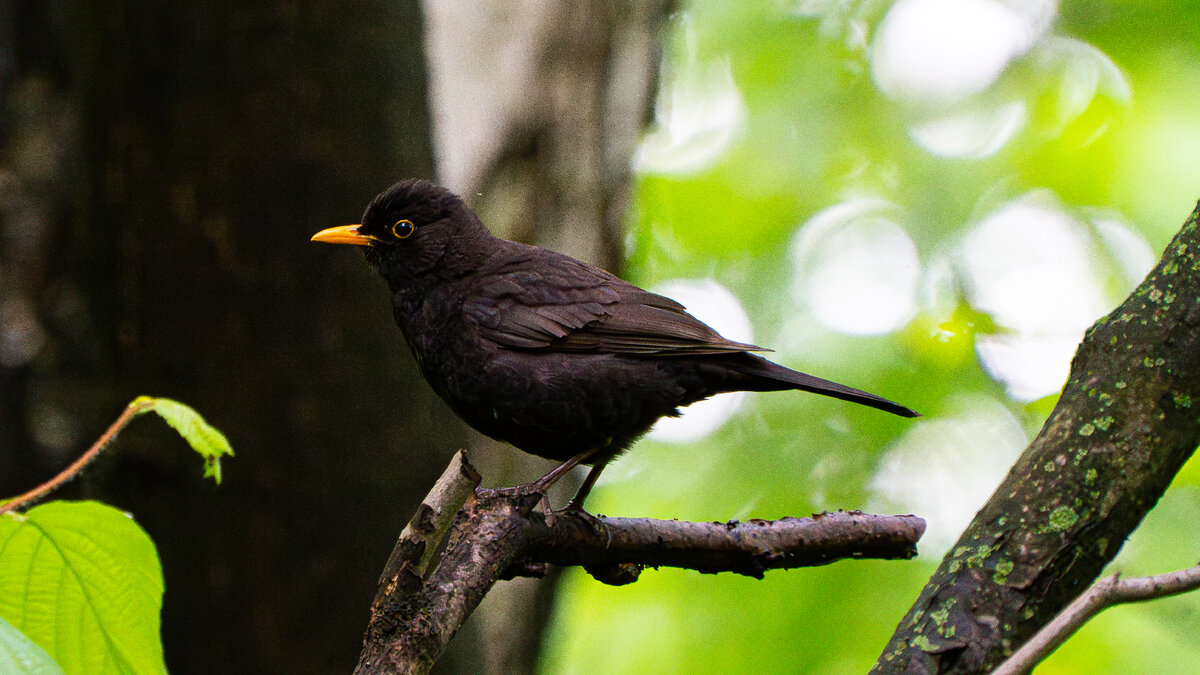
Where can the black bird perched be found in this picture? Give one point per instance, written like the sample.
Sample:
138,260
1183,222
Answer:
553,355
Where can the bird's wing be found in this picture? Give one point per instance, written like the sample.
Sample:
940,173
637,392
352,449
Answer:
561,304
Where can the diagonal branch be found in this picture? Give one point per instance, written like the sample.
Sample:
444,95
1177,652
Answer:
1108,592
1123,427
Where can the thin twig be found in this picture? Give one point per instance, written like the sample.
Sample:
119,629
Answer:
132,410
1107,592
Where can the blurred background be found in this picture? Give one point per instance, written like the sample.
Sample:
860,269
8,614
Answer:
928,199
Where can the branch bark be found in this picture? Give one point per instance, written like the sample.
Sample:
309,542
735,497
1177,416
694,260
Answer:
748,548
420,605
1107,592
1122,429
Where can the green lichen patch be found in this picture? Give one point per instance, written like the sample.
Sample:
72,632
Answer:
922,642
942,613
1062,518
979,555
1003,569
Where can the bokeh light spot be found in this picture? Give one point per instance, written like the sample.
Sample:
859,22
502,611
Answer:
713,304
1044,275
945,50
698,115
856,269
971,135
945,469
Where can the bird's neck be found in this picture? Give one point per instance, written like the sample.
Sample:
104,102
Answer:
466,253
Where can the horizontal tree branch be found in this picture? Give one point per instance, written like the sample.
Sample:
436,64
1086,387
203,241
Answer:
748,548
423,600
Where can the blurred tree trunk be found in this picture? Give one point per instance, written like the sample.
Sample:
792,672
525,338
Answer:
38,139
537,108
164,167
165,164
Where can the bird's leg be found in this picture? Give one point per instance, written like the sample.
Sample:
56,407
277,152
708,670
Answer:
575,506
576,503
544,483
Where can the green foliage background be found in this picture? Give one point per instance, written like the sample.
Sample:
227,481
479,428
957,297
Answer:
817,131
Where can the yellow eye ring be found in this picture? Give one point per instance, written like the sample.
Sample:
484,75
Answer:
403,229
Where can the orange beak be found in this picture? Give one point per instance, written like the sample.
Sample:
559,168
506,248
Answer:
342,234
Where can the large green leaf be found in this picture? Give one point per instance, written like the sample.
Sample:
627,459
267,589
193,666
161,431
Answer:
21,656
83,581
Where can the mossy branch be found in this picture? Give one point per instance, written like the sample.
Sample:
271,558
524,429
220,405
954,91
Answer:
1121,430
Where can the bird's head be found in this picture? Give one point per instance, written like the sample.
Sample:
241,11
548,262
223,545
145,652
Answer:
410,229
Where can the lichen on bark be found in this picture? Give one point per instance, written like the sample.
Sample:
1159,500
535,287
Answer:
1120,432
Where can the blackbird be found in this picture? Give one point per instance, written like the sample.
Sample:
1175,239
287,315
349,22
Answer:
552,355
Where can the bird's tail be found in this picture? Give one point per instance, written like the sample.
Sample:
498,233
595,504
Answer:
767,376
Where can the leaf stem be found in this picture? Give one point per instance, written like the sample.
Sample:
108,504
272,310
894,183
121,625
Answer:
132,410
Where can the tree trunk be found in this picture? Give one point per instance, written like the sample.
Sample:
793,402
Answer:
168,254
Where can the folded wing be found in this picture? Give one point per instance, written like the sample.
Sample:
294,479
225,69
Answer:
569,306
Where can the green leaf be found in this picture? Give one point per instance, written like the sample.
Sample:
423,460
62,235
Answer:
21,656
83,581
202,436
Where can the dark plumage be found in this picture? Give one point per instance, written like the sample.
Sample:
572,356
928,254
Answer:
557,357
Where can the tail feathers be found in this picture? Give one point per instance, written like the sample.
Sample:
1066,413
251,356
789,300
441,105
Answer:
770,376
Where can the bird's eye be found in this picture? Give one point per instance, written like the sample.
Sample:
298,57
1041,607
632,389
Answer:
403,229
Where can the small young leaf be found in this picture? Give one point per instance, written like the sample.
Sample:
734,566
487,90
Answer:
83,581
21,656
202,436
